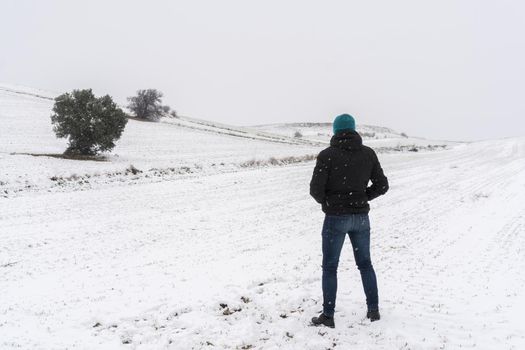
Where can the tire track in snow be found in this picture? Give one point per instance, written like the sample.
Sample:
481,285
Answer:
431,271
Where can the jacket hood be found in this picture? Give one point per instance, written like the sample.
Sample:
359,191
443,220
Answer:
348,139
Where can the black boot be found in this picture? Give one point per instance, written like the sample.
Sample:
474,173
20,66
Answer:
324,320
373,315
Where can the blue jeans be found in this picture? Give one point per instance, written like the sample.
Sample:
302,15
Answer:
335,228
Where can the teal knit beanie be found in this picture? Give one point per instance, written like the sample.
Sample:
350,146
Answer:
343,122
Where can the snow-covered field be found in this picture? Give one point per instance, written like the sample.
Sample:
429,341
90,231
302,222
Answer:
323,131
230,259
170,148
374,136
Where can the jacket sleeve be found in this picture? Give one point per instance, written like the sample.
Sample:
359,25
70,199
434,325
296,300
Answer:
379,180
320,178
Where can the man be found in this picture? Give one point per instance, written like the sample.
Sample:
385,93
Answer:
340,184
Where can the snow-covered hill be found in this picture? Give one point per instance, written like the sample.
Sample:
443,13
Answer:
323,131
148,152
172,147
374,136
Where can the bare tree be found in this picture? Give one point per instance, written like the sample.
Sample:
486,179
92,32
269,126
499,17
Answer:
148,104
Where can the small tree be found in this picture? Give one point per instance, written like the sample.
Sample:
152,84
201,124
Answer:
91,124
148,104
297,134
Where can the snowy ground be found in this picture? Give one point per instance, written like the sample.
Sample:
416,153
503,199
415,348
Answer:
148,265
323,131
210,246
162,150
374,136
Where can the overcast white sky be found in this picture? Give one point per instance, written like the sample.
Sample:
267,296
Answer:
452,69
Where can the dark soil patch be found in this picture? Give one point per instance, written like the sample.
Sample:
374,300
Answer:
95,158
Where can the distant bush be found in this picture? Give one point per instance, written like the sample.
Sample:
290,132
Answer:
91,124
370,135
148,105
278,161
298,134
404,135
131,169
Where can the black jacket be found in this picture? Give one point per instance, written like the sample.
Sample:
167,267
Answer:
341,176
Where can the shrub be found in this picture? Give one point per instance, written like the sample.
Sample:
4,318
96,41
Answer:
368,134
91,124
148,105
297,134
